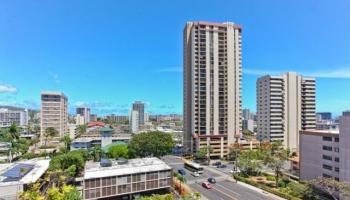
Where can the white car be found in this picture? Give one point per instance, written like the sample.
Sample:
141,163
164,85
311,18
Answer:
195,174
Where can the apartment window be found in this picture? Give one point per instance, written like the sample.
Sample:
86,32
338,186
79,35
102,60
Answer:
336,159
336,139
336,149
327,148
326,176
336,169
325,138
325,157
124,188
328,167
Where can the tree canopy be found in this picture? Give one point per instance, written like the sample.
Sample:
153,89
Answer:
118,151
154,143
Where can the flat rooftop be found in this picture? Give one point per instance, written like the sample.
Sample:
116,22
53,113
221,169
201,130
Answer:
133,166
25,172
320,132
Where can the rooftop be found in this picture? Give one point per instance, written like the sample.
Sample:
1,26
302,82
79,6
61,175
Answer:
330,132
25,172
133,166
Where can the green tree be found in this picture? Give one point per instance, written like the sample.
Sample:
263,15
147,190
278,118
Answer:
65,162
201,154
50,132
275,158
32,193
14,131
67,141
332,187
66,192
81,129
250,162
96,153
118,151
154,143
158,197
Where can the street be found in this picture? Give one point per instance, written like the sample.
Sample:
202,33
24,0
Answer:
224,189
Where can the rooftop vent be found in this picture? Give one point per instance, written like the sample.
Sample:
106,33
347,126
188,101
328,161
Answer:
105,163
122,161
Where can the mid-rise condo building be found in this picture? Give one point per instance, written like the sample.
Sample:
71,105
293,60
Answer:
54,112
285,105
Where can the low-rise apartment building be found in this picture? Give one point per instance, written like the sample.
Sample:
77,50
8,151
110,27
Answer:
125,179
10,115
325,153
15,177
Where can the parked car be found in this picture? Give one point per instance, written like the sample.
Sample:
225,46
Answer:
222,166
195,174
182,172
211,180
206,185
217,163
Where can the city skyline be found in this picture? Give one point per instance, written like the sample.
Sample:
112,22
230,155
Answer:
84,50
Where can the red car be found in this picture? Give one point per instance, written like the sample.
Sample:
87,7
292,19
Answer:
206,185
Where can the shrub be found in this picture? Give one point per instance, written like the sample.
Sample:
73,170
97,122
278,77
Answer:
270,178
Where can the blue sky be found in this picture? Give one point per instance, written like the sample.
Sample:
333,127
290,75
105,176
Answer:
106,54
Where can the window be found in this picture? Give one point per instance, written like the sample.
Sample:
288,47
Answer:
326,176
325,157
336,139
336,149
327,148
123,180
325,138
336,159
336,169
327,167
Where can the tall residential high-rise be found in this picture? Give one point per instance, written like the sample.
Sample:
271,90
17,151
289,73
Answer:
139,106
212,86
285,105
54,112
85,112
134,121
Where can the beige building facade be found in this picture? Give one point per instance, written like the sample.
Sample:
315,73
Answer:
54,112
212,86
286,104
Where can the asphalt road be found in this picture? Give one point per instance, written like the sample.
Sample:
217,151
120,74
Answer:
224,189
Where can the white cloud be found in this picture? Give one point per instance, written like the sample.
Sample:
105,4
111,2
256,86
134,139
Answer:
7,89
334,73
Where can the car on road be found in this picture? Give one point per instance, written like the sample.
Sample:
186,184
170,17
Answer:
211,180
222,166
217,163
206,185
182,172
195,174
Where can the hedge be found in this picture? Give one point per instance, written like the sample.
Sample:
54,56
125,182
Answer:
266,188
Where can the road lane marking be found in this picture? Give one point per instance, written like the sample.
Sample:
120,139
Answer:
232,197
228,189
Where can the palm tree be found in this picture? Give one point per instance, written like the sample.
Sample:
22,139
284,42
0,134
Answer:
50,132
96,153
13,130
209,151
67,141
